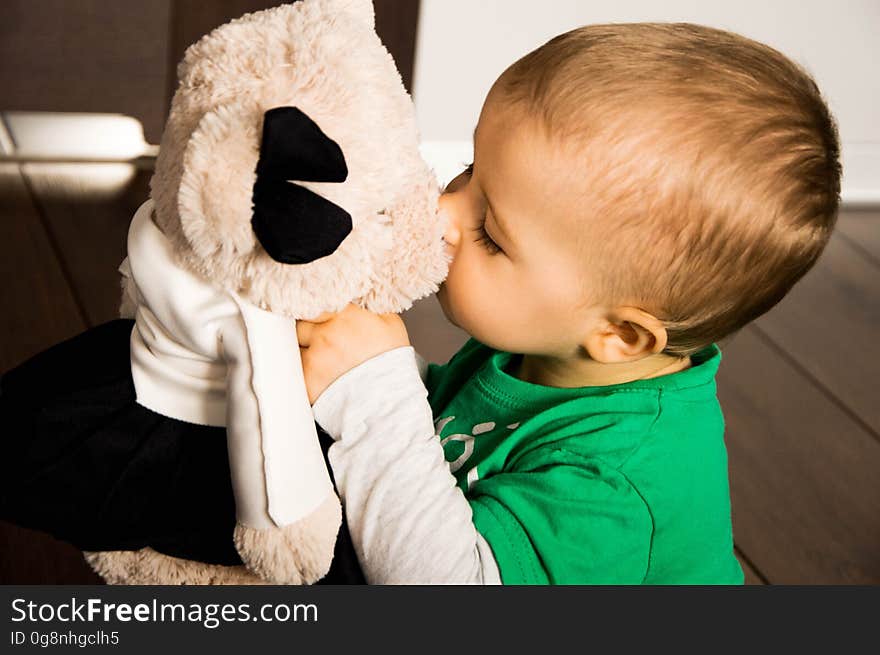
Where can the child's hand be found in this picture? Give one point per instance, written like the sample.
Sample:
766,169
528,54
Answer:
333,344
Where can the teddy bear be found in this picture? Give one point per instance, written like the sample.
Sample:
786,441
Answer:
176,445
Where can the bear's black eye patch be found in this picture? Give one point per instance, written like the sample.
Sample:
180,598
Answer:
293,224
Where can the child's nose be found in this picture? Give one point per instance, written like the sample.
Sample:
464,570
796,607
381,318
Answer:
452,235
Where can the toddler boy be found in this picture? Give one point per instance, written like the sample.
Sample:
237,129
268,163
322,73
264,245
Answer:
638,192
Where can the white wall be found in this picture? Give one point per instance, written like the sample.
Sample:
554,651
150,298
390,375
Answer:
463,45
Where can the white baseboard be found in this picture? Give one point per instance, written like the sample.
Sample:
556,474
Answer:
861,175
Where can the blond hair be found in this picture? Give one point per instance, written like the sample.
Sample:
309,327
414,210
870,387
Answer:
712,164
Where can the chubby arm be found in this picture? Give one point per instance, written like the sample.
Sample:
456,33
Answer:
408,520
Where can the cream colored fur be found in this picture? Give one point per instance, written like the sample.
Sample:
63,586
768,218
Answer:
324,57
148,567
266,552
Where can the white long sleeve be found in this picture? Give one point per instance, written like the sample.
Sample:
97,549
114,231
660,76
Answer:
409,522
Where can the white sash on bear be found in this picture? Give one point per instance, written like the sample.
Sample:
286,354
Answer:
203,355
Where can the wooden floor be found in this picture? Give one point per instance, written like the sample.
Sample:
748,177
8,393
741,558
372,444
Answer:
798,388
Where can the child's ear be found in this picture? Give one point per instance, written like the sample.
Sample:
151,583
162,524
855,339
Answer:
625,334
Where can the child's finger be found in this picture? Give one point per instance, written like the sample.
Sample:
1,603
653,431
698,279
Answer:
304,331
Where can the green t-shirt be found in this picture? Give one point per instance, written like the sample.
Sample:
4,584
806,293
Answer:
622,484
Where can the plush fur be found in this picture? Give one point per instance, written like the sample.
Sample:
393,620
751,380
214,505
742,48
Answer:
147,567
266,552
324,57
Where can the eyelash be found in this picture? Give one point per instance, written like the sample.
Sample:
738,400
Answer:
483,236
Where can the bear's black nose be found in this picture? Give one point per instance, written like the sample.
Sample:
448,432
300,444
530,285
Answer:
293,224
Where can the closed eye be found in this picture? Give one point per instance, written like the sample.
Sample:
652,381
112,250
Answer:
482,236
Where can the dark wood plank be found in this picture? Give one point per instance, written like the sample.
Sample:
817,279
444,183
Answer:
37,308
88,208
828,324
86,56
862,230
29,557
804,483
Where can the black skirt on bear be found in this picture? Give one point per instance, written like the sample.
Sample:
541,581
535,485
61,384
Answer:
83,461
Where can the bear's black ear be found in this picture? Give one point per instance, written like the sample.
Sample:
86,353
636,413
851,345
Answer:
295,225
295,148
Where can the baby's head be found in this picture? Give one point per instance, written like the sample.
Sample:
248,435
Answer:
639,189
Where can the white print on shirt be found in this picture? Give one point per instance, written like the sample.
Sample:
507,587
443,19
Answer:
468,442
440,423
472,477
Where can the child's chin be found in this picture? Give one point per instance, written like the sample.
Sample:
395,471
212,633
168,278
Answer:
444,305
